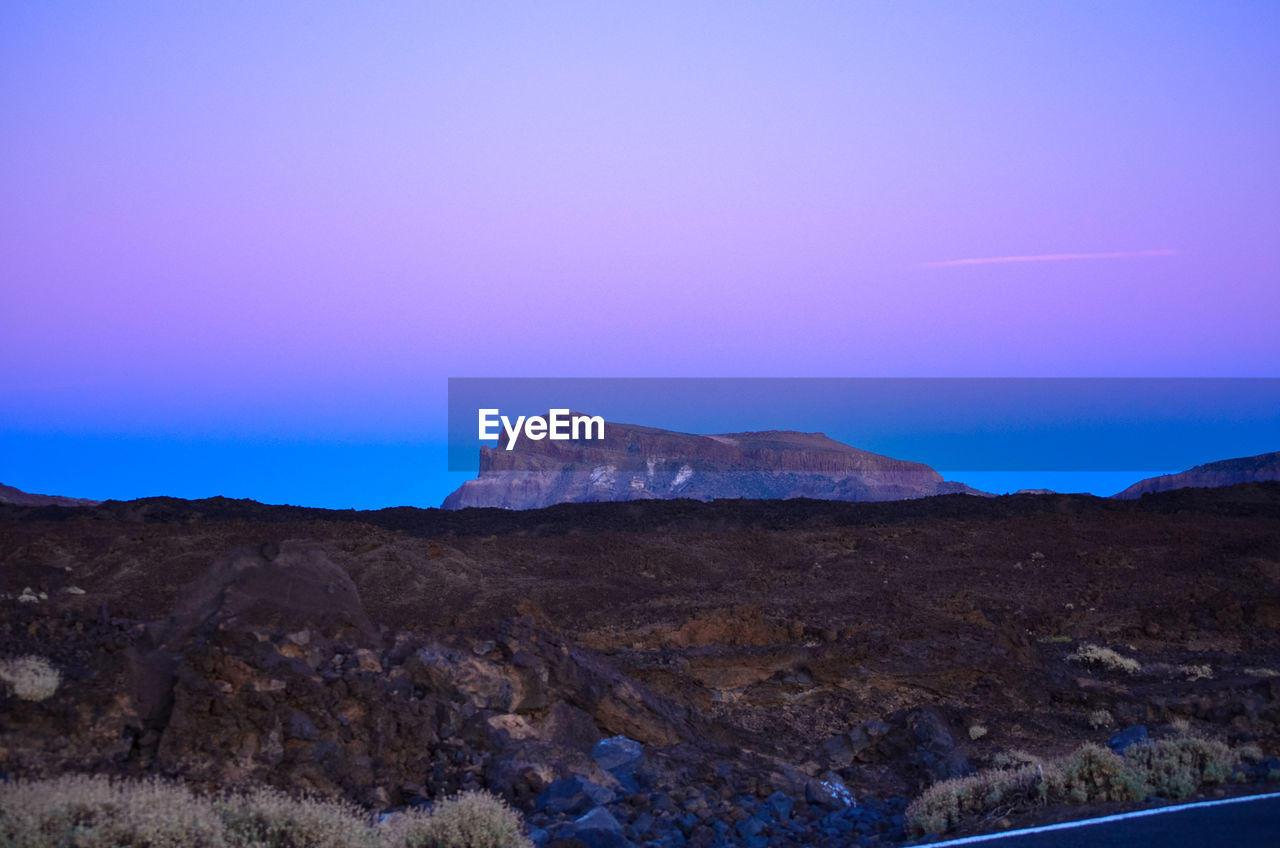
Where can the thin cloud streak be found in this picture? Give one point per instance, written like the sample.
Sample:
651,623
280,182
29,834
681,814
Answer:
1048,257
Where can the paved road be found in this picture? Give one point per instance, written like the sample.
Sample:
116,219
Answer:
1250,821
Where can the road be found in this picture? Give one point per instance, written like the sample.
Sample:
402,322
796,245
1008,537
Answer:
1248,821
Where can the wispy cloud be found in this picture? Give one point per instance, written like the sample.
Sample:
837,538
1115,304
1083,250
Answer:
1048,257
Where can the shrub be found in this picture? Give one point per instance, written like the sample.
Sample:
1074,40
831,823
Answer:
88,811
1172,768
1094,773
1196,672
468,820
1249,753
268,818
31,678
1192,673
1015,759
1105,657
1100,718
94,811
1175,768
945,804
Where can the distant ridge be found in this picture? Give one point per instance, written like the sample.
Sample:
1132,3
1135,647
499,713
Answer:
10,495
1227,472
644,463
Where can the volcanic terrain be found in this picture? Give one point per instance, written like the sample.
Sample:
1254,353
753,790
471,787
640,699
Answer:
764,654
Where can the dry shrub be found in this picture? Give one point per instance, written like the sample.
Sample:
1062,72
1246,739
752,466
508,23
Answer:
271,819
1100,718
95,811
977,731
1249,753
88,811
468,820
1172,768
945,804
1093,773
30,678
1191,673
1176,768
1105,657
1015,759
1196,672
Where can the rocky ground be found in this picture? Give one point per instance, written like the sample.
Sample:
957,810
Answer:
664,672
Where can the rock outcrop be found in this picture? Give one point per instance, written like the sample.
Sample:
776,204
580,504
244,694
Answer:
1228,472
643,463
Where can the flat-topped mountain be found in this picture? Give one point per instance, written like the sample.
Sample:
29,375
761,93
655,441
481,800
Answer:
10,495
1227,472
644,463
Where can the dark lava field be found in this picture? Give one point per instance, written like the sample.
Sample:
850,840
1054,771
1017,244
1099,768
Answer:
755,649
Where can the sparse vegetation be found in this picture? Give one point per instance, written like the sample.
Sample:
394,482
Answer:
945,804
1100,718
1105,657
30,678
1191,672
1262,672
1172,768
1196,672
1015,759
94,811
269,817
1249,753
467,820
1175,768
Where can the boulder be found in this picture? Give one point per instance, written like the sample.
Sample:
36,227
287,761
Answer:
1133,735
828,791
599,829
573,796
618,755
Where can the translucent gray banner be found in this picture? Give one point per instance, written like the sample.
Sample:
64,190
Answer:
975,424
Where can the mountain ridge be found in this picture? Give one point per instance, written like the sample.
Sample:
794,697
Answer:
12,495
1262,468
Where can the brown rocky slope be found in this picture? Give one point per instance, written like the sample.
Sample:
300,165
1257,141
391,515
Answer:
756,650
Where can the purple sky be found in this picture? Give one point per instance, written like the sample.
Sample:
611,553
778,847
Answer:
251,221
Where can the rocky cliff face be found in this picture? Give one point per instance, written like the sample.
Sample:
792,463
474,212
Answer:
1228,472
643,463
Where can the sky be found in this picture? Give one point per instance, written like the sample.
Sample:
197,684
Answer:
243,246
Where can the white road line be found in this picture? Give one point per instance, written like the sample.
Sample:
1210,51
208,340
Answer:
1136,814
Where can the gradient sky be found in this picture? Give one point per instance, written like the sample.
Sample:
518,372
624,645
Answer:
243,245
